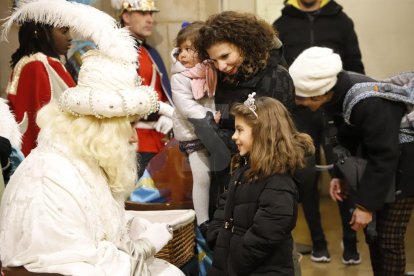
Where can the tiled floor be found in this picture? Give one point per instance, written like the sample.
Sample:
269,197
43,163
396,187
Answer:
331,225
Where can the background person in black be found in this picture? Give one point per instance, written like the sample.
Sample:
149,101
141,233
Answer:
303,24
373,134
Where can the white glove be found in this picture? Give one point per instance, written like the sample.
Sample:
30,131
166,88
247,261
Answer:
164,124
158,234
138,226
145,125
165,109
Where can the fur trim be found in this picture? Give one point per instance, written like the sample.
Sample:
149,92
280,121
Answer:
8,126
88,22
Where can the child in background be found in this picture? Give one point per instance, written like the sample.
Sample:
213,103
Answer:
193,87
252,227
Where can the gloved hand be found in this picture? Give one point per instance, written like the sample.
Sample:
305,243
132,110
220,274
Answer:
138,226
165,109
164,124
158,234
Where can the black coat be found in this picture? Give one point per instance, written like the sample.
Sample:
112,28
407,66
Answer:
373,135
329,27
257,239
272,81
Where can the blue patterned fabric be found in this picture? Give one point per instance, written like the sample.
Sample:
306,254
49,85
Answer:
205,255
396,91
146,191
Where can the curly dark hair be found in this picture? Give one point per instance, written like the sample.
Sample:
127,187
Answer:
254,36
33,38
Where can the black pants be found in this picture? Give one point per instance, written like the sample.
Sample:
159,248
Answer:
312,123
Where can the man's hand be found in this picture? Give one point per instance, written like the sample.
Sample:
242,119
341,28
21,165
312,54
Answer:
360,219
336,190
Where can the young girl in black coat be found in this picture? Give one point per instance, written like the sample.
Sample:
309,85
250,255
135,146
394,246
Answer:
251,229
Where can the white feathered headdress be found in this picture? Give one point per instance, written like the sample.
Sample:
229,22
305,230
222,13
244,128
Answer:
8,126
89,22
108,84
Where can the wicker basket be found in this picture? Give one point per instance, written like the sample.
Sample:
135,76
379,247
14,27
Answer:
180,249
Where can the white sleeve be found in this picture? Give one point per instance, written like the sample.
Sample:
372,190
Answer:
165,109
48,231
183,98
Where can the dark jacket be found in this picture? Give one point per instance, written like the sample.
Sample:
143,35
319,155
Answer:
328,27
373,135
256,240
272,81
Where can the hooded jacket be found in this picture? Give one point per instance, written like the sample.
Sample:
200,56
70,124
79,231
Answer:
328,27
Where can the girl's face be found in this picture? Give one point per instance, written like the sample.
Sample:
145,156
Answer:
226,56
187,54
62,40
243,136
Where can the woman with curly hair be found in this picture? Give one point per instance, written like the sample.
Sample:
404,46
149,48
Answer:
248,55
251,229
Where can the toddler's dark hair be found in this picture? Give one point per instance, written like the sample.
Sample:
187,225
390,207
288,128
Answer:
188,32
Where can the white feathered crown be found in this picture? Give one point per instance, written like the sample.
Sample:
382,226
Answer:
89,22
108,83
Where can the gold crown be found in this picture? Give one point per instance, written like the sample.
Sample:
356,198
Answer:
139,5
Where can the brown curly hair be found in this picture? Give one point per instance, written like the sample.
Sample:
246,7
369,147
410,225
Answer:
274,134
252,35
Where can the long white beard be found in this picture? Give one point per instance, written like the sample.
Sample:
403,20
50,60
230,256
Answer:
126,177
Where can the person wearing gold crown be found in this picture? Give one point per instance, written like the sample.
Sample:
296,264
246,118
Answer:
137,15
63,209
